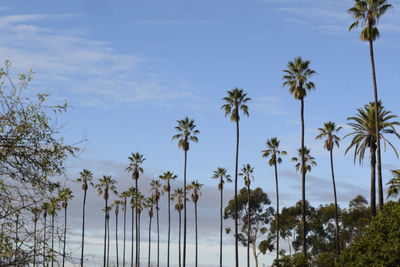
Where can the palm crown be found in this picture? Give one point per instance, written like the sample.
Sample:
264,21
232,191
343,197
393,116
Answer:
222,176
65,195
297,78
394,184
196,187
86,178
309,160
328,131
53,205
135,164
167,177
363,125
179,197
186,132
155,188
367,14
106,185
273,151
236,102
247,173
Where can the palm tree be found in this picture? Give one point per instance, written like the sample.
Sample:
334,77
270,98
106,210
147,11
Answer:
135,167
179,196
53,208
223,177
65,196
394,184
329,132
109,208
36,212
85,179
132,194
106,186
155,187
196,187
235,103
247,173
273,153
363,126
186,132
45,209
150,203
167,177
124,195
117,203
367,14
139,204
296,78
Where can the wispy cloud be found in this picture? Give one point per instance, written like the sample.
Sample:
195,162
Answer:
169,22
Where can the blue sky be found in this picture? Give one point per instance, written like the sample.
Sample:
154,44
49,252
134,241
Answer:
130,69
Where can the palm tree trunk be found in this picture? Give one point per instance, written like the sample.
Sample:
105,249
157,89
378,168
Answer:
105,234
123,253
133,213
16,241
83,227
44,241
116,237
108,239
158,237
303,185
378,143
248,225
138,245
65,235
196,234
149,252
336,207
373,181
34,240
136,226
236,191
184,211
221,227
52,238
169,222
277,213
179,240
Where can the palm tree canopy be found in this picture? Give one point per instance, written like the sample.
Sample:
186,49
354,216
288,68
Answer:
363,129
297,77
222,175
328,131
367,14
247,173
155,188
116,205
394,184
106,185
179,197
149,203
86,178
309,160
65,195
167,177
273,151
53,205
234,103
196,187
135,164
186,132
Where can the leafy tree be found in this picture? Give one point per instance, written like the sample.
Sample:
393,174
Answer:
297,79
394,184
236,103
367,14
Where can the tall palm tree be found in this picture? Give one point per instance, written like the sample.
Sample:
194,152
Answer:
86,178
53,208
155,188
367,14
149,203
65,196
135,167
35,211
132,194
167,177
273,153
363,126
247,173
186,133
106,186
297,79
196,187
124,195
139,204
179,197
235,103
394,184
223,177
117,203
45,209
109,208
329,131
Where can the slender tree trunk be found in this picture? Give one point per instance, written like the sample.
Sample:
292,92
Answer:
277,213
179,241
16,241
169,222
136,226
236,191
34,240
336,206
158,237
123,252
83,227
184,211
373,181
108,239
248,225
196,234
149,252
378,143
303,185
221,226
255,255
290,247
44,241
52,238
133,213
138,246
65,234
116,237
105,234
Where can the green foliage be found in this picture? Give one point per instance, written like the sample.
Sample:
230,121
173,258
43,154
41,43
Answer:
380,245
